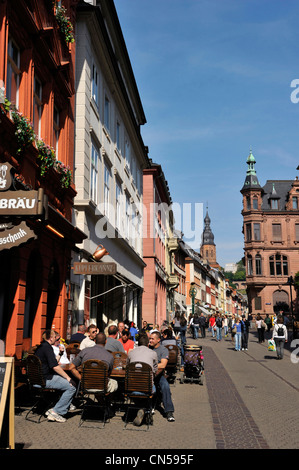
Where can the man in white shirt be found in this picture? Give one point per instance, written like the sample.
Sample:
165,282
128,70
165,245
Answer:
89,341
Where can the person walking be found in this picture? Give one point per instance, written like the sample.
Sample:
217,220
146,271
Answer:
219,325
245,325
212,324
225,326
238,334
280,336
202,324
268,322
195,325
260,325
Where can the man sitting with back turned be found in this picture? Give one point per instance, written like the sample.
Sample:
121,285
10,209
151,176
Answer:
161,381
98,352
79,336
112,344
143,354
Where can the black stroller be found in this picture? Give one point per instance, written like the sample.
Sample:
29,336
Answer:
193,364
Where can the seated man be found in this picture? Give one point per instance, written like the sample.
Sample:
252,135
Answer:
161,381
142,353
98,352
55,377
112,344
79,336
88,341
126,341
168,338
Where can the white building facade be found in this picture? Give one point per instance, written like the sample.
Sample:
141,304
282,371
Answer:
109,161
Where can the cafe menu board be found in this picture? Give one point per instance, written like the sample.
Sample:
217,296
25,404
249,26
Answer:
7,404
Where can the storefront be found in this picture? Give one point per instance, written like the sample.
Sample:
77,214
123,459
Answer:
35,259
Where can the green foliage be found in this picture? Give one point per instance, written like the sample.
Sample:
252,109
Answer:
64,24
24,131
46,156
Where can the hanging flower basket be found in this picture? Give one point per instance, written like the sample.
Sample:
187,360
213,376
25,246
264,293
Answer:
46,156
65,173
64,24
24,131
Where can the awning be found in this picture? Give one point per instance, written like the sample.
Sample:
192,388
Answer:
181,305
205,311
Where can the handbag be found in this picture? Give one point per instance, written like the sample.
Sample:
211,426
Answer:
234,329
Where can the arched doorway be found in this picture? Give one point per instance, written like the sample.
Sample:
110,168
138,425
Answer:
53,293
281,301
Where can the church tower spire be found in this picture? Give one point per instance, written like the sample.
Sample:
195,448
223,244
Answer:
208,247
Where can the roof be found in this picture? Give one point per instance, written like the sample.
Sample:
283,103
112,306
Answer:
276,189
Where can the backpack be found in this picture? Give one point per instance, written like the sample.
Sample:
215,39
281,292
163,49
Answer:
219,322
280,330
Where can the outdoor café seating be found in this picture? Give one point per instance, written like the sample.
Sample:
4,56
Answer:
138,391
94,383
72,350
44,397
172,365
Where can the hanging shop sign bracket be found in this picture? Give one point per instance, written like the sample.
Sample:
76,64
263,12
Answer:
94,268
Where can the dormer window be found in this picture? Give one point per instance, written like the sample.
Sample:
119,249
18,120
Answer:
274,203
294,202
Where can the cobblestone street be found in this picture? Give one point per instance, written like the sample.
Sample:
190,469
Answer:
239,406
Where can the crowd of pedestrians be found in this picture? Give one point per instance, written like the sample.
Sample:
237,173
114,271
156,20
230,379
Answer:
237,328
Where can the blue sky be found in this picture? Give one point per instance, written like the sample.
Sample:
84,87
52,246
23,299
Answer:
214,77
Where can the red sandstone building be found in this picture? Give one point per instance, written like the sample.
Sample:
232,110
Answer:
156,201
36,149
271,233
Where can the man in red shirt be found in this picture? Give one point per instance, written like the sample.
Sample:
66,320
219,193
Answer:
125,340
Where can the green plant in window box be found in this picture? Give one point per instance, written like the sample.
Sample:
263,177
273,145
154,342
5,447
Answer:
64,24
24,131
65,173
46,156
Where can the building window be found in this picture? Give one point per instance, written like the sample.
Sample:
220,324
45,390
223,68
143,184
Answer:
106,190
118,143
107,114
248,203
94,173
128,213
276,232
278,265
118,205
248,232
56,130
37,107
255,203
95,85
127,154
274,203
294,202
297,232
249,265
13,73
258,265
257,232
258,303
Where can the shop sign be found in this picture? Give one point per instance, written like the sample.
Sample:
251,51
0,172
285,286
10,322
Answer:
21,203
13,235
94,268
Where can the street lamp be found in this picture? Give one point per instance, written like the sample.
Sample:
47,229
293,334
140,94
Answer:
192,294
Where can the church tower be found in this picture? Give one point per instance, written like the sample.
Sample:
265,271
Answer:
208,247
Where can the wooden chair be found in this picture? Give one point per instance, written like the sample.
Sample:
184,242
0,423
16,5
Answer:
139,388
94,381
37,387
72,348
172,365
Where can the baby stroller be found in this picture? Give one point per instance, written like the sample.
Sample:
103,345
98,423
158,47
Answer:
193,364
